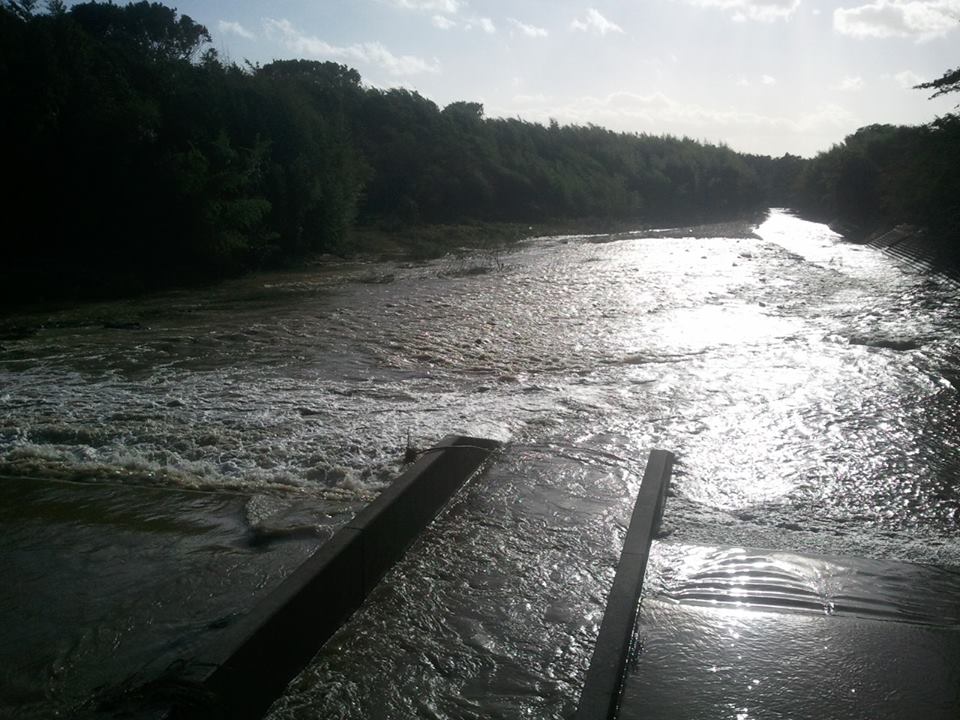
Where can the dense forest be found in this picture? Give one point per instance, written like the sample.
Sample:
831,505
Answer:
135,158
880,176
883,175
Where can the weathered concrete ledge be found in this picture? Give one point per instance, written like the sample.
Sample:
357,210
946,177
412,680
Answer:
918,249
911,244
247,667
604,680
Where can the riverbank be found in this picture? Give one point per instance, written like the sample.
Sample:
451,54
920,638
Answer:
916,245
488,242
300,390
921,248
419,242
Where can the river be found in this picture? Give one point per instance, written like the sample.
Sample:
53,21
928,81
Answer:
806,384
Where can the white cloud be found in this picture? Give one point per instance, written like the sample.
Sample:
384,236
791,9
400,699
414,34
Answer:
760,10
659,111
438,6
744,81
373,53
443,22
907,79
919,19
486,24
234,28
851,83
528,30
595,22
538,99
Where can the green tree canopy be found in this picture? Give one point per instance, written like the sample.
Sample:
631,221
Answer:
151,27
140,159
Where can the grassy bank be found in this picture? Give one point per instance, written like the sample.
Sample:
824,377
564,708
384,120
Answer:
424,242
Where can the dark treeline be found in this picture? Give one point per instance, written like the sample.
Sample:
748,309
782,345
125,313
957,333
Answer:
883,175
135,157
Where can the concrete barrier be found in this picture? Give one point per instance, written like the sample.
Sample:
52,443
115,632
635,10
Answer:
921,251
248,666
602,685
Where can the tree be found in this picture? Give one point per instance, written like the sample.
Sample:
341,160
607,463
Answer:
22,8
949,82
320,75
139,160
151,27
469,111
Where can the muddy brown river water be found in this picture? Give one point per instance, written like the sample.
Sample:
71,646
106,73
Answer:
807,385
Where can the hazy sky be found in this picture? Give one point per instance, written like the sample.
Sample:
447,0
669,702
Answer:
766,76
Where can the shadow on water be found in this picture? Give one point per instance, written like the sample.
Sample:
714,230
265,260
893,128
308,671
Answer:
103,581
808,387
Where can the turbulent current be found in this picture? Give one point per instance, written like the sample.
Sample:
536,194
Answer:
807,386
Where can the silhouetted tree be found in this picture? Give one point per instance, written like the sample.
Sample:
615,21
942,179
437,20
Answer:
154,29
140,159
22,8
947,83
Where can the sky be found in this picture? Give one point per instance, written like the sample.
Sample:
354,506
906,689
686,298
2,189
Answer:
762,76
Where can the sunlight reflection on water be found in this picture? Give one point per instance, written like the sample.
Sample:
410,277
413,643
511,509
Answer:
726,632
807,385
711,325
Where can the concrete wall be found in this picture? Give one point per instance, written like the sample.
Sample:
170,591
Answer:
919,250
248,665
604,679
